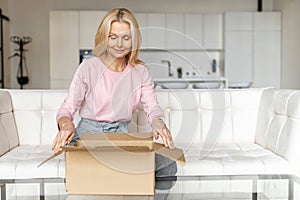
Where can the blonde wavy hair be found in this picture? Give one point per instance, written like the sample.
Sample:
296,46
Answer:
101,38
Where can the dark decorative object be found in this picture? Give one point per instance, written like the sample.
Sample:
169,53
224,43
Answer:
179,72
22,76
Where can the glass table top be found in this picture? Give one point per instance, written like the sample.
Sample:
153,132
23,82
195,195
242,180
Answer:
209,187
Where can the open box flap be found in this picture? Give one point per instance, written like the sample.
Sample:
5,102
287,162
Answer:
174,154
93,141
126,141
50,158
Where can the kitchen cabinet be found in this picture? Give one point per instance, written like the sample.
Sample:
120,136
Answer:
267,21
64,47
267,59
203,31
156,31
183,31
142,21
194,31
174,31
253,48
267,49
239,56
88,25
238,21
213,29
239,47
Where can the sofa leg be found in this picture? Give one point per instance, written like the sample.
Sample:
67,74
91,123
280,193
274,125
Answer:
291,189
254,189
42,190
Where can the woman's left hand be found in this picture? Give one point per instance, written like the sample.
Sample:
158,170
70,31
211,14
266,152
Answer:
160,129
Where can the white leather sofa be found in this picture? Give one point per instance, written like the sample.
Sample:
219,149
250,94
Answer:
223,132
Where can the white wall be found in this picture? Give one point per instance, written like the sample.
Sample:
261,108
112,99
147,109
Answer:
31,18
290,72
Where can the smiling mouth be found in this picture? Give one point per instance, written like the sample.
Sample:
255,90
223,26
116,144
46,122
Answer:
119,51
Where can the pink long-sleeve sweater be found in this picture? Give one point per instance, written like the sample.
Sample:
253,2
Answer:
104,95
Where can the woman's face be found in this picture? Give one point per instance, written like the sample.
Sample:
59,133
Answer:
119,40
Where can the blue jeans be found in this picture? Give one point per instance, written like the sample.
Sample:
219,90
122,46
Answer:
164,166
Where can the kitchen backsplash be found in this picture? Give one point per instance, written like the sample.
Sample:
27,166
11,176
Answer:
192,63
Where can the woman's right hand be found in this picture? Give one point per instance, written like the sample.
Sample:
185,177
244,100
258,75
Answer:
64,136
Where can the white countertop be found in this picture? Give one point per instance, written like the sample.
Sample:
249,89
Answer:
196,79
191,80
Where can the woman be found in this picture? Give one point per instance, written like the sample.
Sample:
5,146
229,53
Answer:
107,88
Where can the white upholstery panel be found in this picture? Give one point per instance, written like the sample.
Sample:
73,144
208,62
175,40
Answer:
265,114
22,162
242,164
4,142
182,100
204,166
29,126
48,127
26,99
5,102
27,105
163,99
217,126
275,164
245,99
244,106
274,131
235,159
244,124
9,129
288,143
215,99
51,102
294,106
185,132
281,101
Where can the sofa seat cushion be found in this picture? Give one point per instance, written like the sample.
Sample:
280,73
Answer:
233,159
22,161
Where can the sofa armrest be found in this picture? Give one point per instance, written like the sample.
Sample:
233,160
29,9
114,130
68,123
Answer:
8,131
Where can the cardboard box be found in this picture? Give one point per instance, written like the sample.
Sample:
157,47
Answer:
114,163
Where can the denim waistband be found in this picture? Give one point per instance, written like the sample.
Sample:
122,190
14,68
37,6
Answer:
105,124
93,126
88,125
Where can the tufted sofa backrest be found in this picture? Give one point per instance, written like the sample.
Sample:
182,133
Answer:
193,116
278,127
197,117
267,117
35,114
